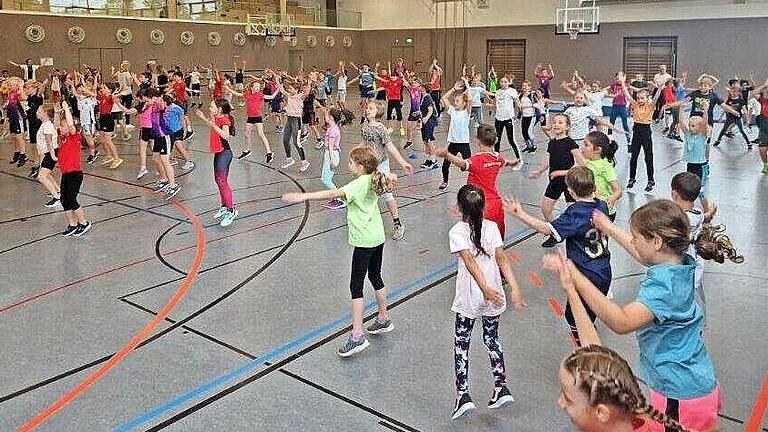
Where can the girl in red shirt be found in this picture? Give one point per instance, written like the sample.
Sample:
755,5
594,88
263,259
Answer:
71,173
222,126
254,102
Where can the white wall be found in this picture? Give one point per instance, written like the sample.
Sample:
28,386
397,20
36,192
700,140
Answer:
408,14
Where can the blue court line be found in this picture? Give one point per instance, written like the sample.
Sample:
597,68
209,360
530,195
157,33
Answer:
275,353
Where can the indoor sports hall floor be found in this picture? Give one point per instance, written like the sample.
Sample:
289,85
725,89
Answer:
251,346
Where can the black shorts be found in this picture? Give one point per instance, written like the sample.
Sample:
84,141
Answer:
414,116
277,106
162,145
117,116
367,92
195,89
147,134
178,135
48,162
381,95
15,124
70,187
428,131
309,119
556,188
107,123
397,106
254,120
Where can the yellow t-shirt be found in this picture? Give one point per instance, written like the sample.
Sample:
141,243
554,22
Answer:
642,112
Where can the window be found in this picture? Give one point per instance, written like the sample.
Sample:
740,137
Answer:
643,55
507,56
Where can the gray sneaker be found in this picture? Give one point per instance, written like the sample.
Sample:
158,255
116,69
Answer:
398,231
379,327
352,347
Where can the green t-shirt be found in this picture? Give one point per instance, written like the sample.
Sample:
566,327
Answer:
493,85
366,229
604,175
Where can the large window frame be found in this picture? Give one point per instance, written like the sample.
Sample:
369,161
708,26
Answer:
644,54
510,65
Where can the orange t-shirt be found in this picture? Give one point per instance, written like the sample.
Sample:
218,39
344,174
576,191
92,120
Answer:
642,112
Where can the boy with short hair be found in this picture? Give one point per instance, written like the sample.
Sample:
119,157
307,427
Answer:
483,168
584,244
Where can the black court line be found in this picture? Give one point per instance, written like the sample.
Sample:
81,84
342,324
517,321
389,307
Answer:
295,376
390,427
185,320
280,364
36,215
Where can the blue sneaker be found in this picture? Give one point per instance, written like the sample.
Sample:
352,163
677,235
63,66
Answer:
381,327
352,347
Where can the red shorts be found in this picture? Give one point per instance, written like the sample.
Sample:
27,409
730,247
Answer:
698,414
494,211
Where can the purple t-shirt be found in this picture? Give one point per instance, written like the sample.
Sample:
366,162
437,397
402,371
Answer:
333,137
619,98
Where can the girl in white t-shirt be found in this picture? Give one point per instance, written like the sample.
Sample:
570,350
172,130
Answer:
479,294
47,147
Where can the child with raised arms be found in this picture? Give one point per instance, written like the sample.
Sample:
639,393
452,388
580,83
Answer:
71,172
222,125
599,152
479,294
366,236
254,100
334,120
456,103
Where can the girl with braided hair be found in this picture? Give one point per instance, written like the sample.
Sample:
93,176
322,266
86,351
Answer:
668,322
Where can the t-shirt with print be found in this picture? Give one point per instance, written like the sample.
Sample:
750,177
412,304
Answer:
366,79
505,104
695,148
333,137
180,91
673,359
366,229
458,128
468,299
47,128
87,107
377,136
595,99
642,112
580,117
415,96
737,103
605,174
560,156
394,87
477,96
585,245
173,117
698,98
483,169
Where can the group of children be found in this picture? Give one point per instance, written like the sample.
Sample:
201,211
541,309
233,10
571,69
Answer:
670,237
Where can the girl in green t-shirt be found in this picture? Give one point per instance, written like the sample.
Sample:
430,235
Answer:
599,152
366,235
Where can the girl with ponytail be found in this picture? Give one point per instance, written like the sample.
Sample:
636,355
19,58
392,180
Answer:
479,294
366,235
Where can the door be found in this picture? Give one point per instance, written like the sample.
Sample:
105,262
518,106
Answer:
295,61
645,54
101,58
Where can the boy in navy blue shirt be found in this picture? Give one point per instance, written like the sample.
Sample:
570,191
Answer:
584,244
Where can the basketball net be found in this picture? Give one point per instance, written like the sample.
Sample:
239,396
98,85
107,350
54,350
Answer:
573,32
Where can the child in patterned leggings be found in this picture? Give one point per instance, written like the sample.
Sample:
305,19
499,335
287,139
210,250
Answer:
479,294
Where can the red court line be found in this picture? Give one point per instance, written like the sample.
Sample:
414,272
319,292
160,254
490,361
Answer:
139,337
535,279
761,404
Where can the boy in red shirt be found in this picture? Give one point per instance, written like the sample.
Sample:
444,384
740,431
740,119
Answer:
484,167
394,89
179,90
71,173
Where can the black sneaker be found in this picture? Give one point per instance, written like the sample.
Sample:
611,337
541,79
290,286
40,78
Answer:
443,186
244,154
649,186
427,164
550,242
716,143
171,191
17,154
269,157
69,231
22,160
53,202
464,405
189,135
34,171
160,185
501,396
408,144
92,158
82,229
729,134
630,183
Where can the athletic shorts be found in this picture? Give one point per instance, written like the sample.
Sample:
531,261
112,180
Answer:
147,134
126,100
697,414
342,94
428,131
381,95
48,162
702,171
309,119
367,92
384,168
414,116
178,135
556,188
162,145
254,120
397,107
195,89
117,116
15,124
70,187
762,136
277,106
107,124
494,211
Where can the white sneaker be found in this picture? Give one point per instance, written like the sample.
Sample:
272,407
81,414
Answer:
519,166
188,165
220,212
288,163
142,172
319,145
304,166
228,218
